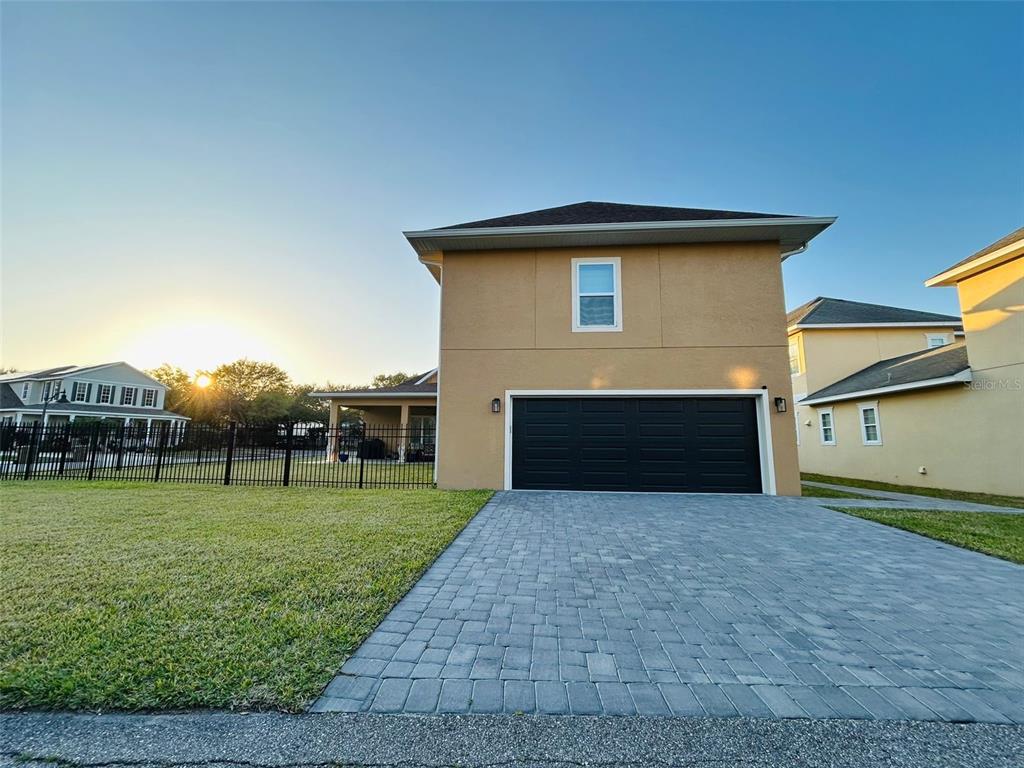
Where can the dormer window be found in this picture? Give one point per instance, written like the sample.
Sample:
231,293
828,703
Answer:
596,295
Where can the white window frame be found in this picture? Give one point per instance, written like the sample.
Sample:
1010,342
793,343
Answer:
861,409
616,263
105,389
26,390
79,387
831,425
146,395
124,395
943,338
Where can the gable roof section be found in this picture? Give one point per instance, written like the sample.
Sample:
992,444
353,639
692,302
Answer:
63,371
918,370
592,212
598,223
9,398
414,386
824,311
1002,250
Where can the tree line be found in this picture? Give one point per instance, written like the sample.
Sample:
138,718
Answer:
249,392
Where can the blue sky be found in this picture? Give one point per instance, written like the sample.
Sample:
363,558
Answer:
192,182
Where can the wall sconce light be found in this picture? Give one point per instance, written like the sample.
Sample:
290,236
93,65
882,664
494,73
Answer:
780,405
495,405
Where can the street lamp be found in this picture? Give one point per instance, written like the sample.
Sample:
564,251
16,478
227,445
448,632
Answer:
59,397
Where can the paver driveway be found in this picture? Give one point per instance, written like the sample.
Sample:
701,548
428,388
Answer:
576,603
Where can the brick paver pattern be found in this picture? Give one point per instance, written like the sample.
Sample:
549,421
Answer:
650,604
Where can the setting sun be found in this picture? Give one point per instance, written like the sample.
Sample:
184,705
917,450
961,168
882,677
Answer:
203,381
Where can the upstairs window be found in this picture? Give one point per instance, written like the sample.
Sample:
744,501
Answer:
149,398
794,357
80,392
870,429
26,388
106,394
128,395
596,295
937,340
828,429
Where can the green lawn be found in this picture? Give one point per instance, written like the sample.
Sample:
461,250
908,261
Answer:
994,533
936,493
144,596
828,493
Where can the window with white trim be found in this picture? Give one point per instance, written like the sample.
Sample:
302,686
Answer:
596,294
870,428
149,398
128,395
80,392
827,426
26,389
106,394
937,340
794,357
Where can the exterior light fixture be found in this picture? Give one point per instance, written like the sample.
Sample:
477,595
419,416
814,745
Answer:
780,404
495,405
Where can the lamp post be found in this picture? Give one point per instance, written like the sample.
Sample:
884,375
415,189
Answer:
60,397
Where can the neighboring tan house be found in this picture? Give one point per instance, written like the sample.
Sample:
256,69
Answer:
891,394
599,346
111,391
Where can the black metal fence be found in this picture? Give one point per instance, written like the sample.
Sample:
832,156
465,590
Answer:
358,456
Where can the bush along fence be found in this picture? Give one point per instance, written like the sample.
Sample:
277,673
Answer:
357,456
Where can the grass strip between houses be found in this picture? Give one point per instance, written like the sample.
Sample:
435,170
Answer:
995,499
120,596
831,493
993,533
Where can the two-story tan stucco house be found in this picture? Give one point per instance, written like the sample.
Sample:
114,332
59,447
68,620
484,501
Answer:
917,398
600,346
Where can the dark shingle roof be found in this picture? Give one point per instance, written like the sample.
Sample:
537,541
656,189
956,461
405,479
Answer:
88,408
827,311
1002,242
609,213
8,397
924,365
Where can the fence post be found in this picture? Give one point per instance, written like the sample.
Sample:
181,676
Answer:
289,431
64,451
231,452
361,451
161,441
120,447
94,444
33,446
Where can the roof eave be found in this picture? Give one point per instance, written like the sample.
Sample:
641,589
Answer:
955,274
792,233
915,324
957,378
371,395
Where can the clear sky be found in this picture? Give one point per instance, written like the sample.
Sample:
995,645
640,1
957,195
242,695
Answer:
194,182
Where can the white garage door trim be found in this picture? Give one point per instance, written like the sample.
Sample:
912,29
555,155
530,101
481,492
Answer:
764,422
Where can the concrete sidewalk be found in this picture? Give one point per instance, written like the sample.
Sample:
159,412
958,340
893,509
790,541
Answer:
886,499
297,741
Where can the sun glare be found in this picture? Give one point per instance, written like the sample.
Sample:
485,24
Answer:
200,344
203,381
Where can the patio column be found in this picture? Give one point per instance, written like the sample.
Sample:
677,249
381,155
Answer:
71,418
46,419
403,432
332,431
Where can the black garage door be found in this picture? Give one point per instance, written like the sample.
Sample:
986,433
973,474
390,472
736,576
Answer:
693,444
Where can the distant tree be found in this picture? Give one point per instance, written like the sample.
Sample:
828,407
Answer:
7,370
250,391
388,379
179,387
305,407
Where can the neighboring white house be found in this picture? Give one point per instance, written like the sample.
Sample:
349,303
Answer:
110,391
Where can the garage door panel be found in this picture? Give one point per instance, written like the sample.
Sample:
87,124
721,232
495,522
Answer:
636,444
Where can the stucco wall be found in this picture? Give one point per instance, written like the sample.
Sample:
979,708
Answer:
708,316
967,436
992,304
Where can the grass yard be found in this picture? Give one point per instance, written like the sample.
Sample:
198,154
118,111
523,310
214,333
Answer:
829,493
935,493
994,533
141,596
